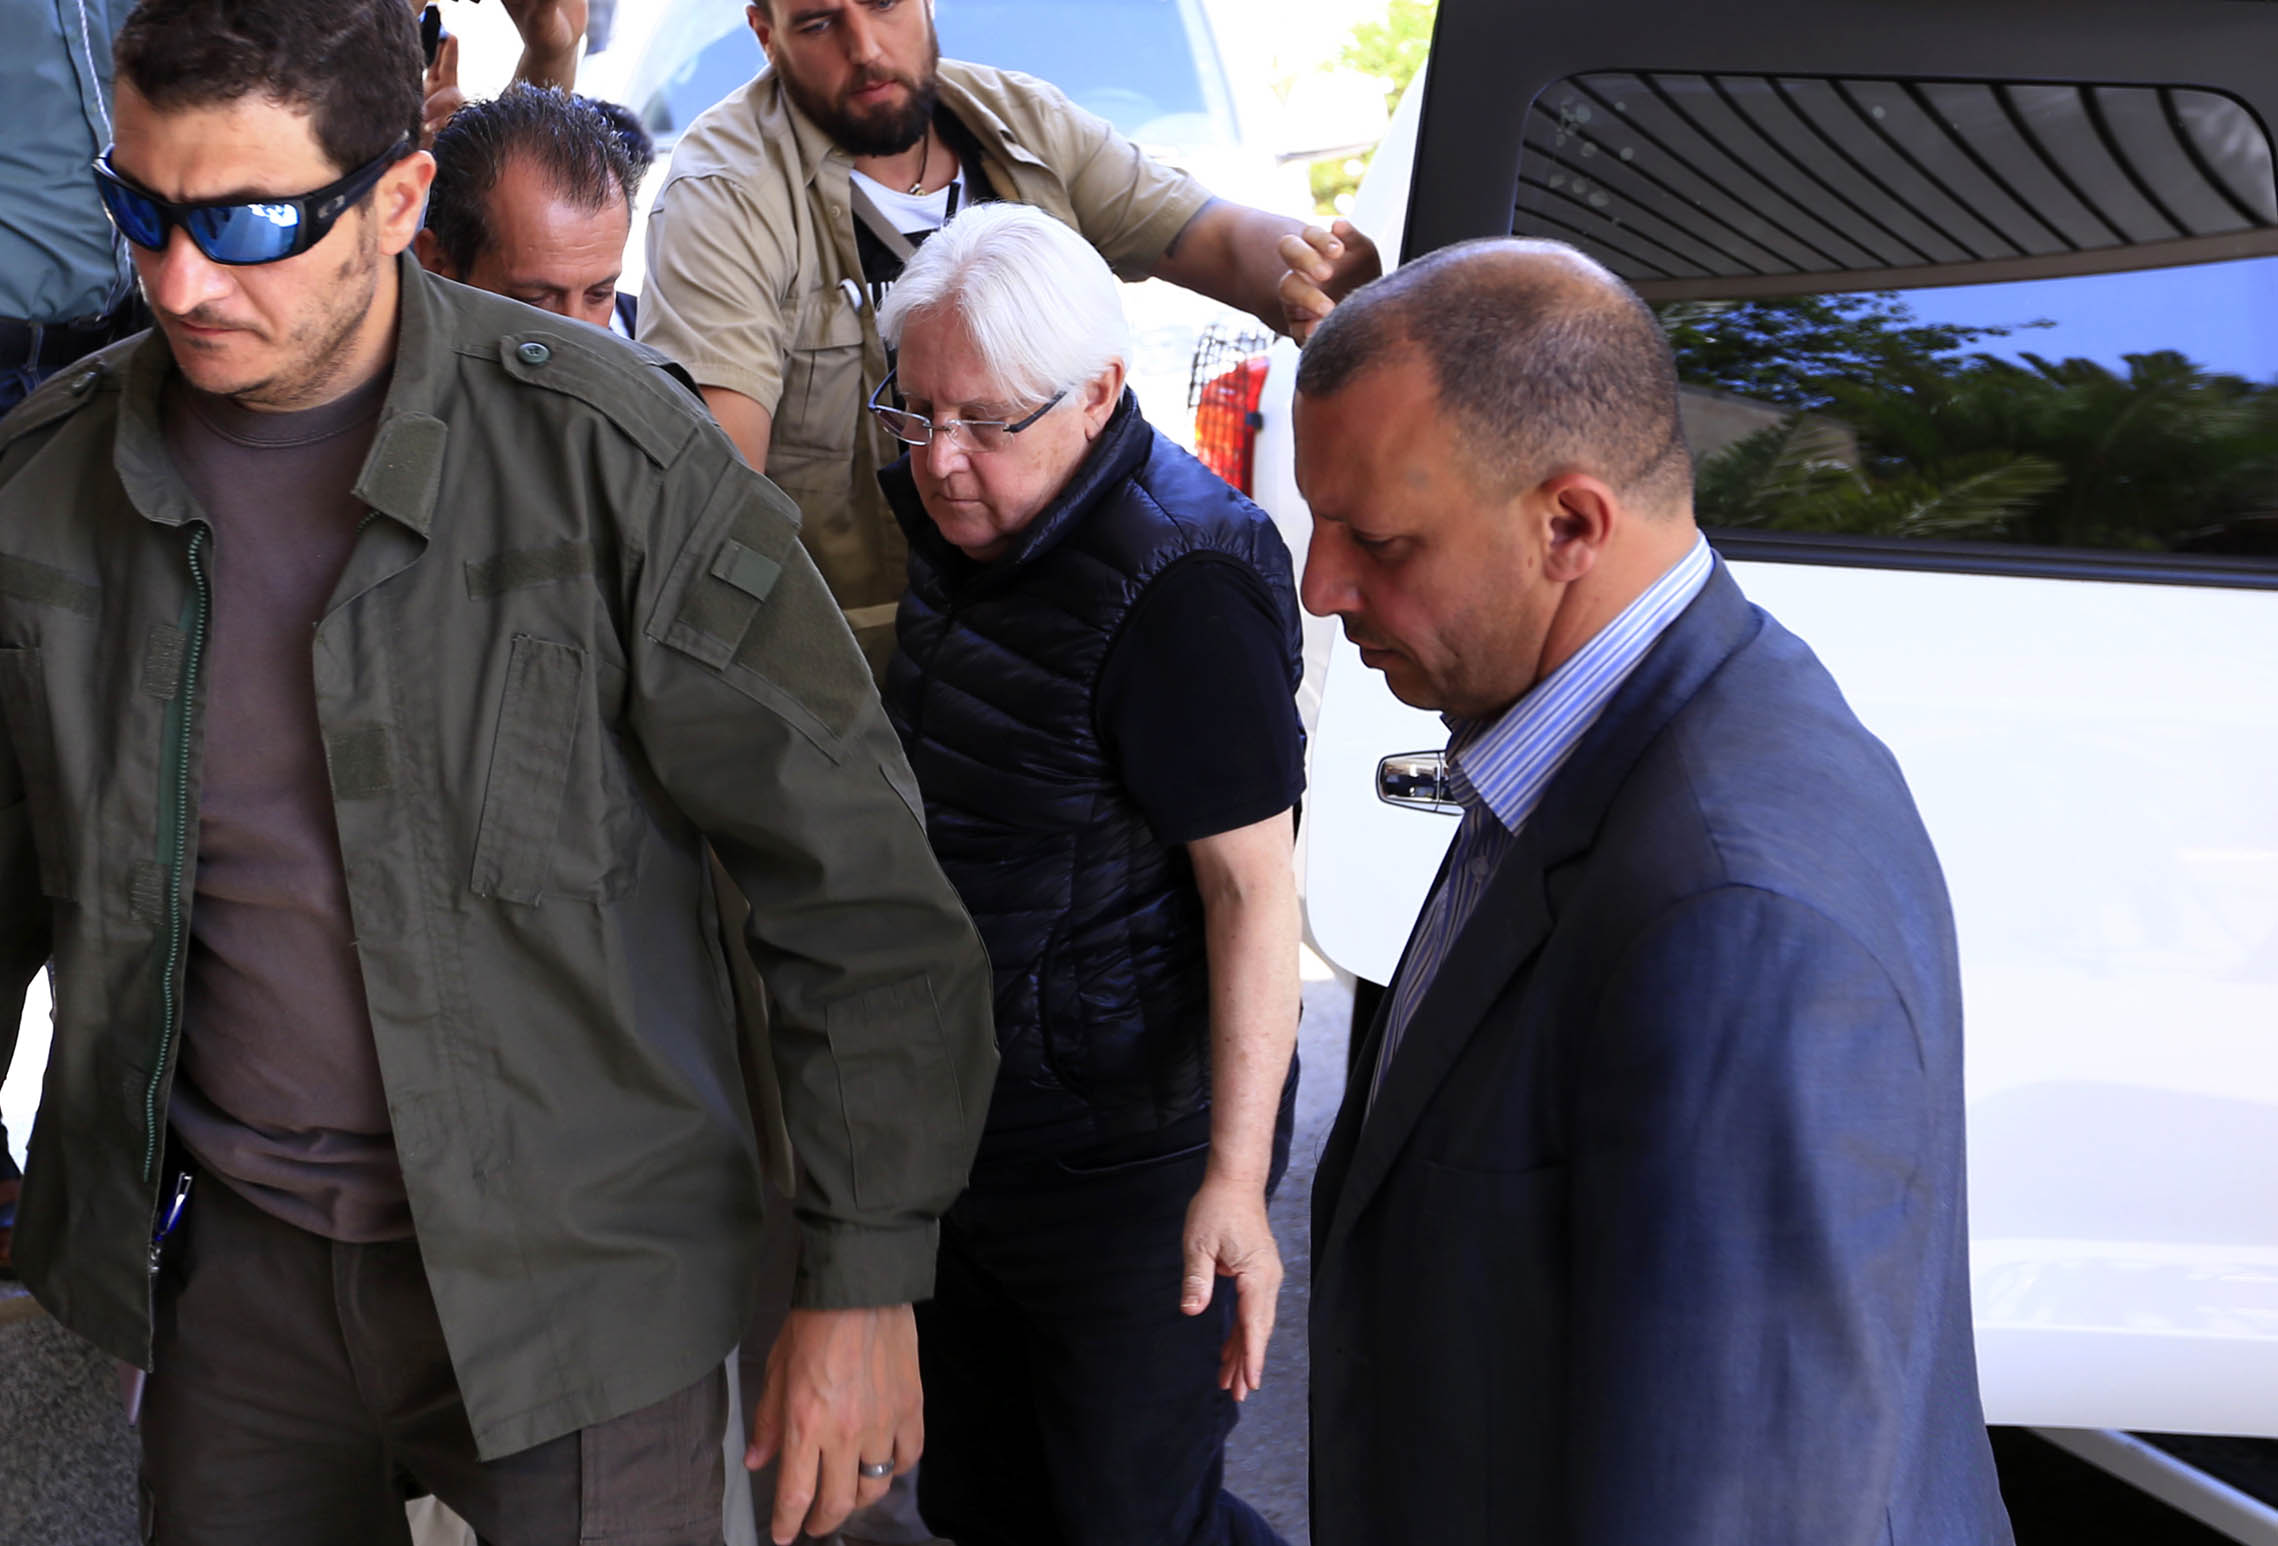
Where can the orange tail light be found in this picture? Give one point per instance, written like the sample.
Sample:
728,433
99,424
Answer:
1228,375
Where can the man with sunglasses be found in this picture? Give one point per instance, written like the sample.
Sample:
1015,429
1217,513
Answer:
378,660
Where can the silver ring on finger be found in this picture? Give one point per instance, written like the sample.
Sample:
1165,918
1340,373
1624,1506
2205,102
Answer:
875,1470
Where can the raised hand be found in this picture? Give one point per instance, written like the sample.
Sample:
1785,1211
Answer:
1325,266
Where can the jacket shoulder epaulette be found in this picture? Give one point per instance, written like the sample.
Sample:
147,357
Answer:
605,373
78,385
660,360
615,377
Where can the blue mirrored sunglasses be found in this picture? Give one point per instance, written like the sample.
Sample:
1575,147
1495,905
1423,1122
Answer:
251,231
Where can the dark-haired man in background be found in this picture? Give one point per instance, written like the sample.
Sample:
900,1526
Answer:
377,660
1643,1218
533,199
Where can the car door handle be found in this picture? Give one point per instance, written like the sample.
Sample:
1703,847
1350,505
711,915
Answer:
1416,781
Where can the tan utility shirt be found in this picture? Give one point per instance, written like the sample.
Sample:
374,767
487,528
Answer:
754,285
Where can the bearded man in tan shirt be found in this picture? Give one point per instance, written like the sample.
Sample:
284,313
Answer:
792,205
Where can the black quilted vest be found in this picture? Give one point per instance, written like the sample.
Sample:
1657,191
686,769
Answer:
1094,926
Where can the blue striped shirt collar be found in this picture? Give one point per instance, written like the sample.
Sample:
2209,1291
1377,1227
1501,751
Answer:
1509,762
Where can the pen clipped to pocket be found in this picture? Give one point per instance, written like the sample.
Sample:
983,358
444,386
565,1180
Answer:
169,1218
177,1202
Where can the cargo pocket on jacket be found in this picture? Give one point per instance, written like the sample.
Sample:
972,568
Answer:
31,736
529,770
898,1096
817,456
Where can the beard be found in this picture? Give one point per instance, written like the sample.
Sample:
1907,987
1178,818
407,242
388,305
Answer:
317,353
881,131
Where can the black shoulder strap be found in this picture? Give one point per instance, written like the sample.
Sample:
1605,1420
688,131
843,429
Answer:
874,220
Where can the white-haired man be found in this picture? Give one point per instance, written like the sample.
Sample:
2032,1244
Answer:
1088,609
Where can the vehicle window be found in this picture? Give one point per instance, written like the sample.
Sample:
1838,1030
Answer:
2120,393
717,66
1146,66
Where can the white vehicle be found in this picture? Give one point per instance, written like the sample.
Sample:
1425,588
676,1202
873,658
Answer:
2077,667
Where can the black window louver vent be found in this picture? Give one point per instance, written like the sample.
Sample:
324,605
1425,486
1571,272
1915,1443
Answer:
1698,183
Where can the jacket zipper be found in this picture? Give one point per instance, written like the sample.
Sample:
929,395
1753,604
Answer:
178,767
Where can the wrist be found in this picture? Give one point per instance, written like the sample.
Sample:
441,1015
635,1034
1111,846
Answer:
547,66
1235,1173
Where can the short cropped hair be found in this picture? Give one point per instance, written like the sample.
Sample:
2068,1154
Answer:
576,149
1540,364
354,66
1042,306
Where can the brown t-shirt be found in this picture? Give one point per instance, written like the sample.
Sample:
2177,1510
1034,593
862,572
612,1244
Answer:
278,1090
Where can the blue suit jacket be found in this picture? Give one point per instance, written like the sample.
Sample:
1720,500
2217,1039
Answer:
1656,1234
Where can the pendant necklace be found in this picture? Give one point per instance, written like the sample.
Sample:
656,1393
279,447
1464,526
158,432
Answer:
923,157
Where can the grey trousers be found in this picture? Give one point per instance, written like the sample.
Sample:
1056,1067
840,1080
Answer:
301,1385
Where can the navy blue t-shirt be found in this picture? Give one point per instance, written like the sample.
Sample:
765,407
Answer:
1194,704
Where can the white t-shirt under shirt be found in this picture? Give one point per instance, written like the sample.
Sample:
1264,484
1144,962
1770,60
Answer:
916,215
912,213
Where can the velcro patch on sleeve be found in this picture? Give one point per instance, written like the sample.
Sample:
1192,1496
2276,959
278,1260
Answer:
721,600
358,756
752,573
801,645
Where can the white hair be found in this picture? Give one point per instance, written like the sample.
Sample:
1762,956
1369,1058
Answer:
1040,304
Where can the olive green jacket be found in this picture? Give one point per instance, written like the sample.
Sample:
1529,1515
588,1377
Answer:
577,638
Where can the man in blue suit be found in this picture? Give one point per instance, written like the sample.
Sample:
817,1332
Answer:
1642,1224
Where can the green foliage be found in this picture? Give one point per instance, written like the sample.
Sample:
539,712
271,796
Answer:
2147,455
1793,476
1393,49
1897,429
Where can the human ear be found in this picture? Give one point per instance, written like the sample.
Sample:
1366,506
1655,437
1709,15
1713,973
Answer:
1101,394
400,201
1581,512
762,24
